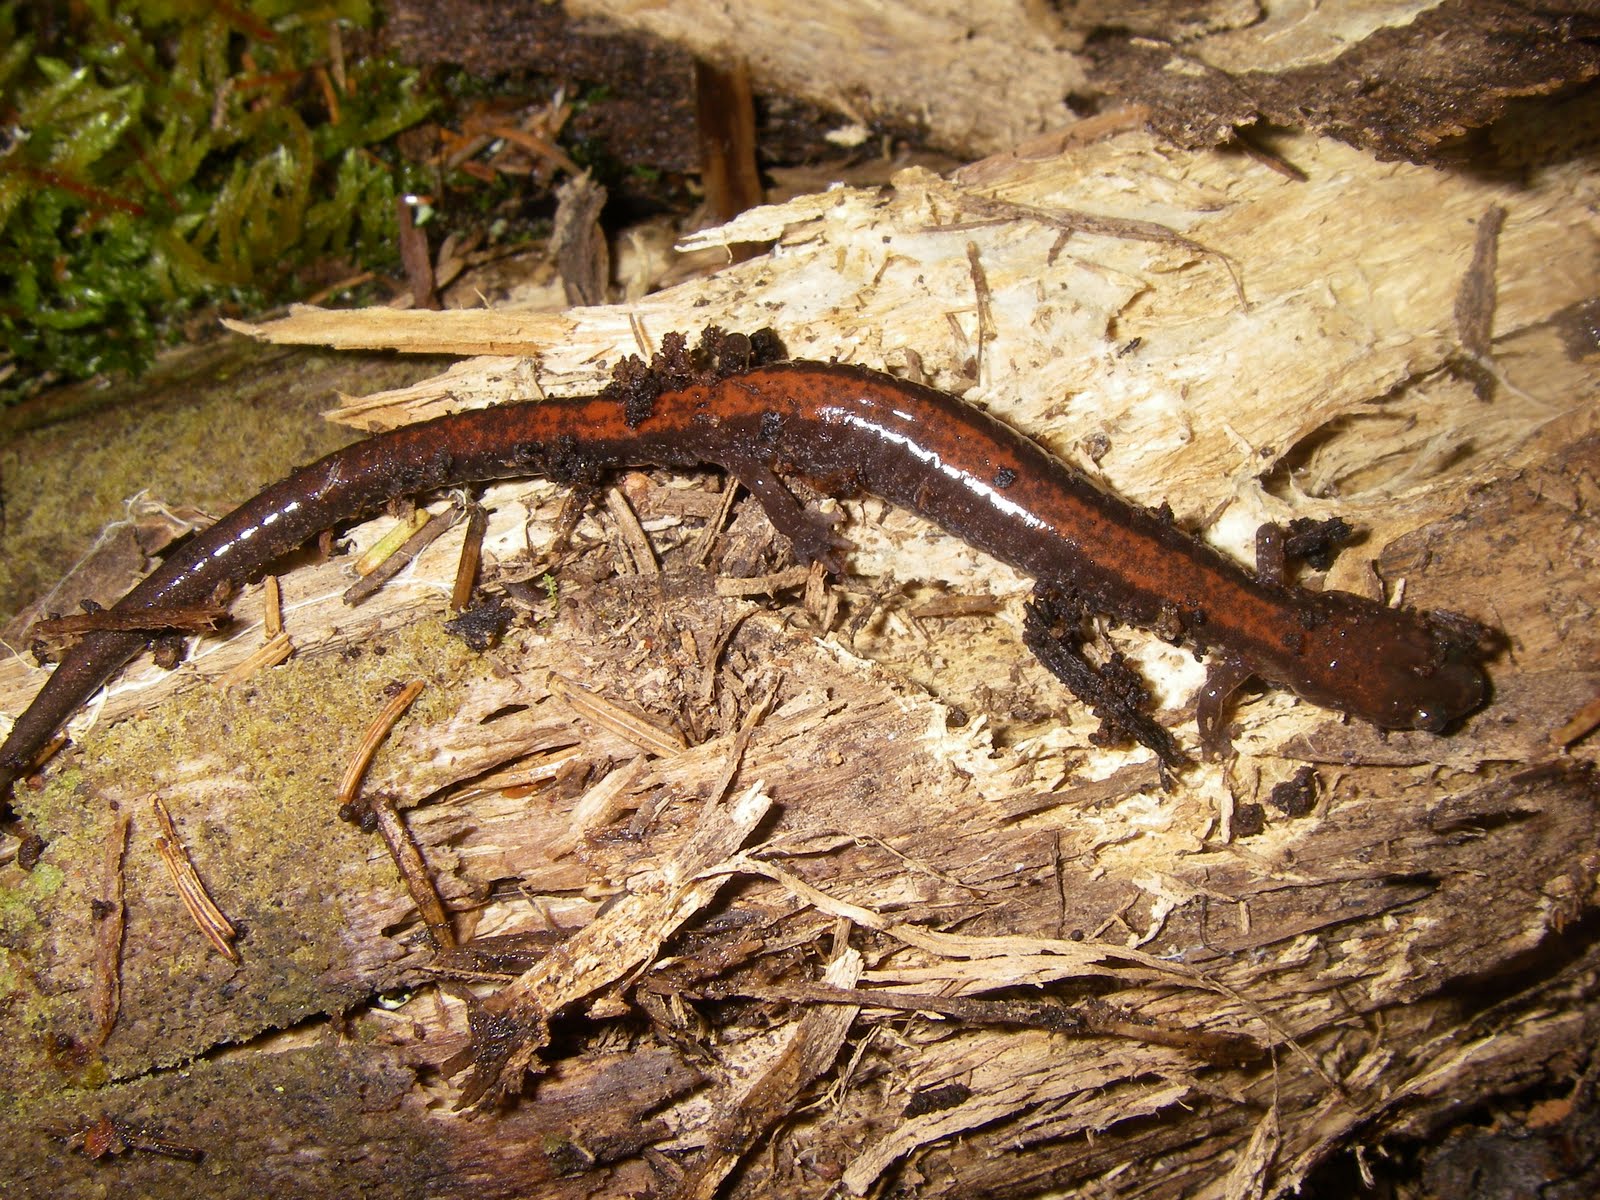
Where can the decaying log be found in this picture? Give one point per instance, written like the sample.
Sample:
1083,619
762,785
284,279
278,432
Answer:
687,834
1405,79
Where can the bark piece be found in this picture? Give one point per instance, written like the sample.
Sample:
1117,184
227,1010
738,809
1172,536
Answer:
1408,90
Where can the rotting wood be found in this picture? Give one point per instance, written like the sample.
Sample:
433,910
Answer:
511,1025
1406,78
1420,937
810,1047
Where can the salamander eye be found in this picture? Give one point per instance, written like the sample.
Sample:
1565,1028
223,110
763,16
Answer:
1429,720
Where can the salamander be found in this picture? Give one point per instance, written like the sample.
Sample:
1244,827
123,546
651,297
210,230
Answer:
736,404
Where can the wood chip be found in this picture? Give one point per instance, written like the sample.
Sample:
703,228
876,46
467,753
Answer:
612,717
208,918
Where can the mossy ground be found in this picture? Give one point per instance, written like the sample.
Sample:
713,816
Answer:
208,427
251,777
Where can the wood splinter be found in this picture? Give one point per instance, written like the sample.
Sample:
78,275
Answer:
379,813
208,918
273,650
110,913
176,618
109,1136
398,559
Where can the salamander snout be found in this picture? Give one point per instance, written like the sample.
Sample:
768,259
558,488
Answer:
1449,690
1397,668
1415,674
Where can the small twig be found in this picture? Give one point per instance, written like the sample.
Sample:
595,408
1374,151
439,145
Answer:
373,738
1475,299
413,870
715,526
1127,228
208,918
1270,159
336,56
110,913
1475,304
375,555
188,618
471,557
1579,725
340,285
109,1136
642,732
406,554
330,97
741,743
272,608
539,147
763,585
984,301
381,813
414,257
268,654
1091,1018
945,608
274,650
636,543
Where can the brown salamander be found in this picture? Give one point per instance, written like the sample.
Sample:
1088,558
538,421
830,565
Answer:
847,430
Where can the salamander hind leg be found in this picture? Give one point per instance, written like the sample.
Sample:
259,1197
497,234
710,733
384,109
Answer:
811,531
1053,630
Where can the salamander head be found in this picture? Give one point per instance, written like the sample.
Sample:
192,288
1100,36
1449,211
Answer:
1396,668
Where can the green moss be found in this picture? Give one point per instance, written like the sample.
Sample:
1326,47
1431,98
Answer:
178,152
180,435
30,893
33,1011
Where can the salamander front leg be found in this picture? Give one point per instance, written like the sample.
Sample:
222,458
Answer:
1224,677
1304,540
1272,560
1113,691
812,532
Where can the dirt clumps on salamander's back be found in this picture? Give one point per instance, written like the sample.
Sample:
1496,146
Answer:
636,384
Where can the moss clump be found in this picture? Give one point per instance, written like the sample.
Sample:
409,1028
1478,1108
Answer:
37,1014
165,152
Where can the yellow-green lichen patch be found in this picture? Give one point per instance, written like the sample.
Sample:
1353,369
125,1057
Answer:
45,960
20,901
179,438
250,777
